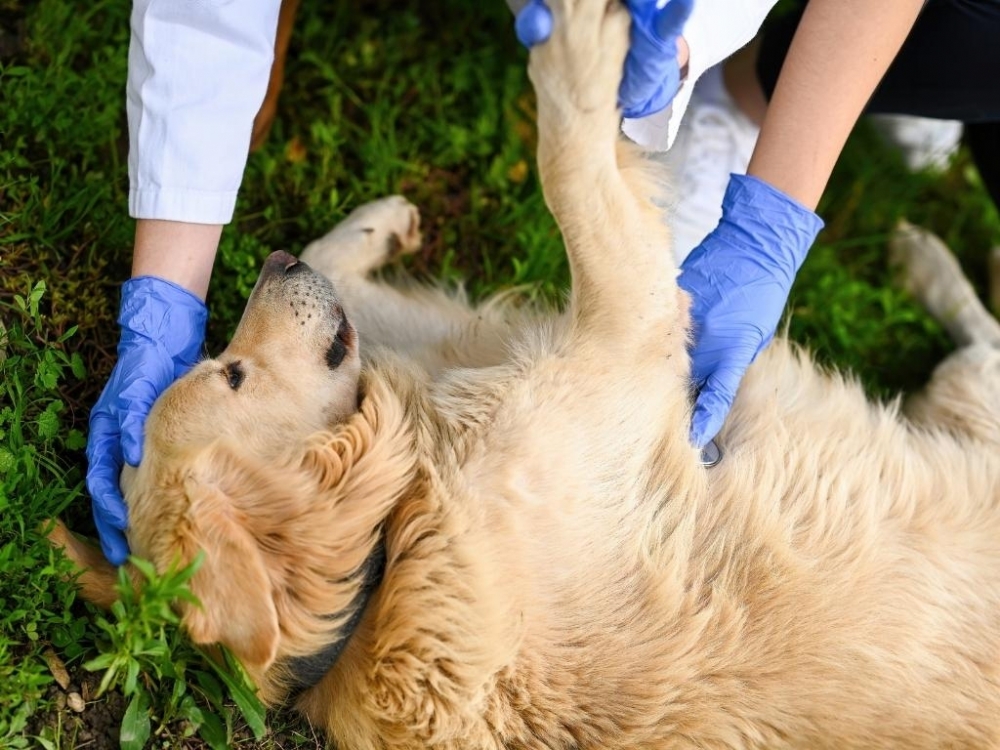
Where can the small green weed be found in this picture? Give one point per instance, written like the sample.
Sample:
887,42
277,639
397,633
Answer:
161,674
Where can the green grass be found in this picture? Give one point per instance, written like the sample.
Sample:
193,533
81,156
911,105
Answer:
427,99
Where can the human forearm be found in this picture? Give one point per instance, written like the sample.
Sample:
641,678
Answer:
840,52
176,251
197,74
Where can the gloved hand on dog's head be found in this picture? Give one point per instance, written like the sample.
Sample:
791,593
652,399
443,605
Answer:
162,332
652,75
739,278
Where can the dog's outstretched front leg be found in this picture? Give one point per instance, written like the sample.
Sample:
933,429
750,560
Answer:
624,282
373,235
436,329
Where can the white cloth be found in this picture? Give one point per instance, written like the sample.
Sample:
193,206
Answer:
197,74
715,30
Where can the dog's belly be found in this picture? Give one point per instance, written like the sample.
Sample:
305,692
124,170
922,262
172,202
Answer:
830,556
866,558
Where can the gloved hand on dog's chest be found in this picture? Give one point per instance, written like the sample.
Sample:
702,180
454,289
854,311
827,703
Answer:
739,279
162,332
652,75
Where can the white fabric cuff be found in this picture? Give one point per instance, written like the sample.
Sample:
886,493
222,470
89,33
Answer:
197,75
193,206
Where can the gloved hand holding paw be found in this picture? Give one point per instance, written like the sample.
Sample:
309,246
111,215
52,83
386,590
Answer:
652,75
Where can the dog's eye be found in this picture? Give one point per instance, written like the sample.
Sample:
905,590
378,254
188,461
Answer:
234,375
338,348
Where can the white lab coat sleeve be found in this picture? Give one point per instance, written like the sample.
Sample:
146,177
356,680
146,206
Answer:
197,74
715,30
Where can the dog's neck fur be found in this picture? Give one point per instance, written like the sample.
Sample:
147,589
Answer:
339,495
306,671
432,630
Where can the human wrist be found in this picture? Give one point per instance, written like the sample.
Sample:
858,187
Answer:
178,252
761,219
166,314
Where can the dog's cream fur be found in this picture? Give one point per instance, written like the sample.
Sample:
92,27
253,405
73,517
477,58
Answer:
562,572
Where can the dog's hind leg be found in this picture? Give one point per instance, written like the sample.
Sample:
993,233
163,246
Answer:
932,274
963,395
624,281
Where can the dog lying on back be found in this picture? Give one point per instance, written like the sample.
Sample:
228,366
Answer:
429,525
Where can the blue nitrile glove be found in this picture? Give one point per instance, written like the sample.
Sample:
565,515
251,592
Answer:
651,77
162,331
533,23
739,279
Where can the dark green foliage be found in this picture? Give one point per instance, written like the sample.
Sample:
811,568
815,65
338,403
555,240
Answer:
425,98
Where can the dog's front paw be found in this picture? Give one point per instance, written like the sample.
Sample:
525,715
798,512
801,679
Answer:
371,236
392,225
577,71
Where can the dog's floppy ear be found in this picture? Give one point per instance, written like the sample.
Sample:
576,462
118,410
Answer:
237,604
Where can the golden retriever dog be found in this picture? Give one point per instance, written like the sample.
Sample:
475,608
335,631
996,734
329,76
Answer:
432,525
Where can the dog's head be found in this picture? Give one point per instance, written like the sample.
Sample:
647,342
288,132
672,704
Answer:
291,369
271,462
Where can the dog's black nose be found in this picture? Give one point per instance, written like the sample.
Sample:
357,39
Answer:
281,263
